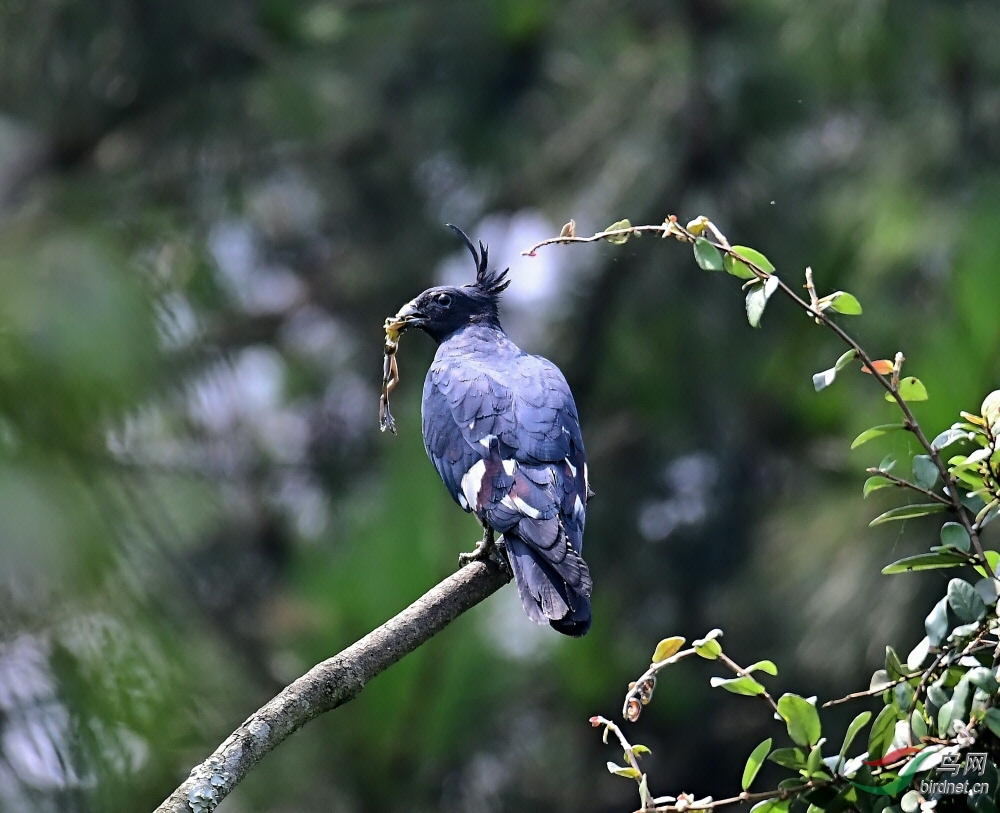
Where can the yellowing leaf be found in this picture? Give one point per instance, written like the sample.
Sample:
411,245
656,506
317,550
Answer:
698,225
667,647
882,366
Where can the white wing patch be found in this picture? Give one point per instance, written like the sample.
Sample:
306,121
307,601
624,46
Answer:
472,481
487,440
509,466
526,509
572,468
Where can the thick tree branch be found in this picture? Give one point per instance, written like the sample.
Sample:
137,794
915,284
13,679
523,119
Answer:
330,684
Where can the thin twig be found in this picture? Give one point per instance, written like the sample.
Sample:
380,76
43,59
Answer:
745,798
866,693
633,698
625,744
742,673
899,481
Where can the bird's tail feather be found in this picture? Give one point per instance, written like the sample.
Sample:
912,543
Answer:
545,595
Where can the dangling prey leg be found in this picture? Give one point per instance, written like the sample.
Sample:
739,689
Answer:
485,548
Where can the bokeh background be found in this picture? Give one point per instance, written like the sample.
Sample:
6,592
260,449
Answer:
208,208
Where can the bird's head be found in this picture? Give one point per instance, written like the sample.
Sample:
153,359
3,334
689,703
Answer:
442,310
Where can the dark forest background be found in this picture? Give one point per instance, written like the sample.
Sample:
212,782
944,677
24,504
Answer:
208,208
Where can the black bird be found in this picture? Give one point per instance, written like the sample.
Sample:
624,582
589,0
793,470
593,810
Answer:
502,430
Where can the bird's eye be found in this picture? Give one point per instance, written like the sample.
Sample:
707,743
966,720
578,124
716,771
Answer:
444,300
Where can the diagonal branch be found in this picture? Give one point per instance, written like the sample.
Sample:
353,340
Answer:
331,684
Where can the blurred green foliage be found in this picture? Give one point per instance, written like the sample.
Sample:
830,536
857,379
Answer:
209,208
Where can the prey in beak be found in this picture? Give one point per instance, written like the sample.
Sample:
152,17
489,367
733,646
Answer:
394,327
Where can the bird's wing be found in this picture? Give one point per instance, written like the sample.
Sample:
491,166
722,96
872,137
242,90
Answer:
464,410
507,445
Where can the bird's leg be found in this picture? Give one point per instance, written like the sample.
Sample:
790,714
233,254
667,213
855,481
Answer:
484,548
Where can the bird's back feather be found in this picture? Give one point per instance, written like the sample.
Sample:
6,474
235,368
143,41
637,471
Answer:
503,432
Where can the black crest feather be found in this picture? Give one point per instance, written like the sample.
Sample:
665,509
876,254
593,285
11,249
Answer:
489,282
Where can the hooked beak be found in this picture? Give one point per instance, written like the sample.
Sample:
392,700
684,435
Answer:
405,317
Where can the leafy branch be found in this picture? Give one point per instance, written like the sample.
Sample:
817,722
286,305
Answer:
715,253
941,700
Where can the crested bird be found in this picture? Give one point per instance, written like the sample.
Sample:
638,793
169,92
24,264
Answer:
502,430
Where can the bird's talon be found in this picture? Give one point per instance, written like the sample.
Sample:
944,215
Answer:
484,550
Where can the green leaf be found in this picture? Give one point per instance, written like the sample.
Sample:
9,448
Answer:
794,758
755,257
944,718
925,473
924,561
988,590
910,803
706,255
875,483
739,685
965,602
948,437
936,623
639,750
983,678
963,631
824,379
992,720
875,432
954,535
845,359
708,647
880,680
883,730
918,725
757,757
993,558
937,695
902,696
763,666
919,509
845,303
990,409
856,725
619,770
918,654
771,806
961,700
737,269
801,718
756,302
910,389
667,647
618,239
893,665
814,762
